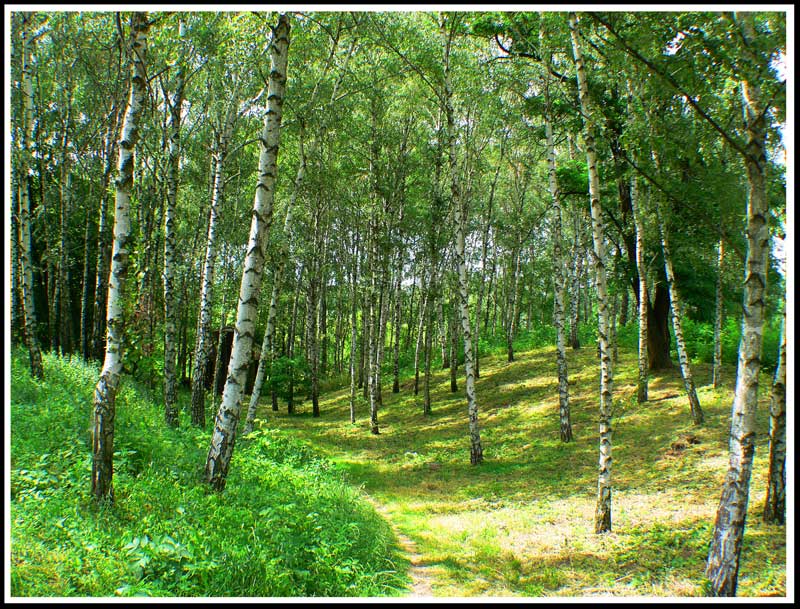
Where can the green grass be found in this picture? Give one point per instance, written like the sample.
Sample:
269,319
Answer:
286,525
521,524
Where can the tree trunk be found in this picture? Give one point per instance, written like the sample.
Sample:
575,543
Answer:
716,365
398,305
677,323
487,223
603,511
460,213
423,306
202,340
574,303
26,255
353,329
173,163
105,392
103,245
775,503
290,340
726,544
513,303
641,388
265,360
559,278
227,419
86,286
453,351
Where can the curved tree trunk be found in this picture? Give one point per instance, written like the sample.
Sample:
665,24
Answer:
105,392
677,323
227,419
726,544
603,511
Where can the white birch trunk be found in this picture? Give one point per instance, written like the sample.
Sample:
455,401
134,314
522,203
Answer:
203,339
105,392
641,268
26,255
173,162
677,323
227,419
726,544
603,511
559,278
460,213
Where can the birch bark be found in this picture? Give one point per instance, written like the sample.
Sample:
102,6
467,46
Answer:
227,419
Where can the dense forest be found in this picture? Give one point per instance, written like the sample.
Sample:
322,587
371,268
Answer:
277,278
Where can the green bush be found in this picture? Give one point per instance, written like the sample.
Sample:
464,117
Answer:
286,525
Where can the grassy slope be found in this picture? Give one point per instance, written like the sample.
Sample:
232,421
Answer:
522,523
286,525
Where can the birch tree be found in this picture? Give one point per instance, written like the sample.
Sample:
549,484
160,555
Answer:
173,162
105,392
227,419
603,510
726,544
25,254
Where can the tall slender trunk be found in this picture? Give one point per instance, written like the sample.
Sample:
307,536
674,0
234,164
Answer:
103,244
641,388
484,246
575,292
513,303
453,350
398,305
26,255
775,503
459,206
290,339
173,162
420,330
603,510
105,392
353,329
559,278
716,365
726,544
202,339
265,360
86,285
428,351
677,322
227,419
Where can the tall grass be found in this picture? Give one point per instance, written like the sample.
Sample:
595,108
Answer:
286,525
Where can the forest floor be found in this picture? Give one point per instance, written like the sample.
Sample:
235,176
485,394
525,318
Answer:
521,524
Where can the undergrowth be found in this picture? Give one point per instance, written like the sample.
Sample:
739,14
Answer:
286,525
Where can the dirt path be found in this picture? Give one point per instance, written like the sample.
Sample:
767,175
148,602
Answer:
419,572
